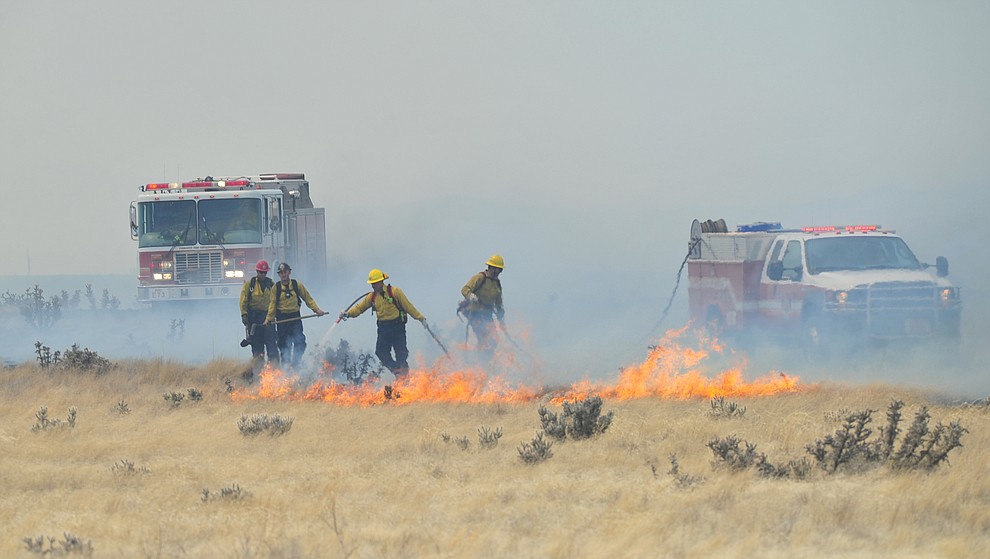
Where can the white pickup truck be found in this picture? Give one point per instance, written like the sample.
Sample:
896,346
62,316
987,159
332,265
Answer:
825,285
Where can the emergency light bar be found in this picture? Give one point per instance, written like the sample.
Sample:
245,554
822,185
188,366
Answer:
833,228
214,184
209,182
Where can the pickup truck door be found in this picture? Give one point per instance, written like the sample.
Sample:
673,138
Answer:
781,288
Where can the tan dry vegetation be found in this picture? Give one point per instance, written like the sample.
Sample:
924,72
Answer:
381,482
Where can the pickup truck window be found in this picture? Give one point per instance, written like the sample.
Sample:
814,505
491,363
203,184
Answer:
859,253
792,261
776,251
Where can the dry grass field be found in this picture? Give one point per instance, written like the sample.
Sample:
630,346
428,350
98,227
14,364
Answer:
138,475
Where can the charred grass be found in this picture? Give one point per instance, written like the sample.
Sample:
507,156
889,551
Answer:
390,480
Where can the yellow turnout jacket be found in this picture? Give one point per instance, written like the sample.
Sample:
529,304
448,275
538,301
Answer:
288,299
259,297
489,292
386,306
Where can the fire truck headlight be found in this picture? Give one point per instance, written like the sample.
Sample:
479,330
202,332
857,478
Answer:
157,277
949,294
166,265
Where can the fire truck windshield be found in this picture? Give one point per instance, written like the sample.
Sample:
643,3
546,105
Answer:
167,223
172,223
829,254
229,221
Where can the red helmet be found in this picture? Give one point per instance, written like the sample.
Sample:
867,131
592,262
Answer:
261,266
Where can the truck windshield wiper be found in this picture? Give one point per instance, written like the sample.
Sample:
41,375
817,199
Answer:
211,235
181,239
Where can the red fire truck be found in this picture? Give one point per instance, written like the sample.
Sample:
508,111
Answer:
200,240
829,285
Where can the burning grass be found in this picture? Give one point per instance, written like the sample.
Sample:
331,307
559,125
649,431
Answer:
671,370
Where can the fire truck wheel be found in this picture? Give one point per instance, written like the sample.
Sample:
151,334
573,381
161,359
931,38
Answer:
714,322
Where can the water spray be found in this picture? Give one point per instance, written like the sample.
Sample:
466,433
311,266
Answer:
318,350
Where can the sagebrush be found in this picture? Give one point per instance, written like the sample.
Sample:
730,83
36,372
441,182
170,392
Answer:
580,419
853,448
73,359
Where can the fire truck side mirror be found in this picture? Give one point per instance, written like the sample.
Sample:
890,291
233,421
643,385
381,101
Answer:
775,270
274,211
941,266
134,225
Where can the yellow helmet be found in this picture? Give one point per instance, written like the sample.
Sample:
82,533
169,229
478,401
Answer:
376,276
496,261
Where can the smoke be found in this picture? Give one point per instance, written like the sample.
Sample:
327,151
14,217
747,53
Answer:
580,150
583,296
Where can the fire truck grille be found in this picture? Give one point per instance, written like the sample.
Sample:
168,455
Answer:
902,309
198,267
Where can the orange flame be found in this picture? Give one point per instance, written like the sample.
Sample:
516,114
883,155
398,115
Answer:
670,371
435,385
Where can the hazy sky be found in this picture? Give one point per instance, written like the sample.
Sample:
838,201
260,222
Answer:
579,139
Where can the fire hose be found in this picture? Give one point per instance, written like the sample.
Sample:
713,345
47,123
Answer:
354,302
677,284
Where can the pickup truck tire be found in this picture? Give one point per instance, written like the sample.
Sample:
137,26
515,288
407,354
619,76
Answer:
816,337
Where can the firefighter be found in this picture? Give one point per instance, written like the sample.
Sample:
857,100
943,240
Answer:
483,301
255,299
286,301
393,308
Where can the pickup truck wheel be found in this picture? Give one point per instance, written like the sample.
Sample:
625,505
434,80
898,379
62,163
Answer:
948,341
815,337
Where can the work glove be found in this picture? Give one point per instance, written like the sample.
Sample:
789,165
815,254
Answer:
343,315
320,312
244,319
472,297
